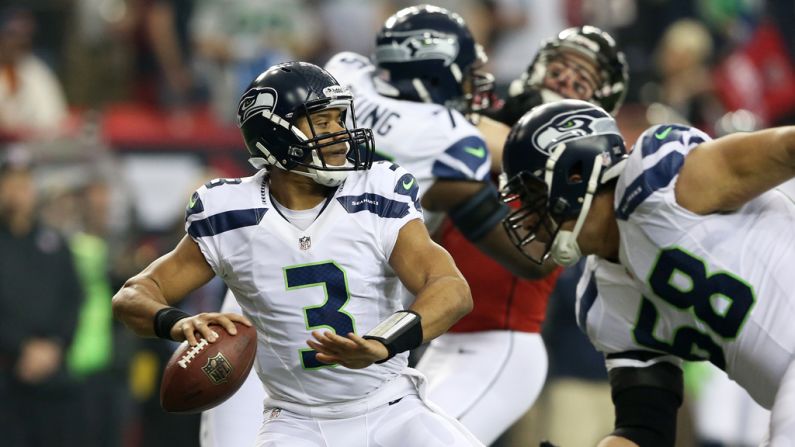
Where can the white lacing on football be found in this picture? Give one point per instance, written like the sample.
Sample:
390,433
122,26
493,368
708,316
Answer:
192,353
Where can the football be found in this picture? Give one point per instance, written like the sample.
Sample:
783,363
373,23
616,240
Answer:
200,377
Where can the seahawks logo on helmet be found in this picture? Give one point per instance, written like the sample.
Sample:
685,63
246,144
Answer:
255,101
570,125
416,45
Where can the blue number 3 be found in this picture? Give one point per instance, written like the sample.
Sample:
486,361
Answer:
332,278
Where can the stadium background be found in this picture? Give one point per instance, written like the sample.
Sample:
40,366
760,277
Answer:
129,105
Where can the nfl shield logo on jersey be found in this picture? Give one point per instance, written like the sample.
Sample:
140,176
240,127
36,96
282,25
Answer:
274,413
217,368
305,242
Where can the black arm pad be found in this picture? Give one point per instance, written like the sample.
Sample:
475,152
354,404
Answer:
402,331
478,215
646,401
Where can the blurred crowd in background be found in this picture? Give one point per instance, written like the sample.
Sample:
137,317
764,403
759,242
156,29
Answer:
113,111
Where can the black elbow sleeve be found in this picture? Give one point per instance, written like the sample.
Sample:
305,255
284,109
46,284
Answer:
646,402
479,214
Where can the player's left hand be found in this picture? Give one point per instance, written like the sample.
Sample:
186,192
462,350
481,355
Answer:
351,351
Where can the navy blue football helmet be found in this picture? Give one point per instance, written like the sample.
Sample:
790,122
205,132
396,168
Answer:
589,42
555,159
267,116
427,54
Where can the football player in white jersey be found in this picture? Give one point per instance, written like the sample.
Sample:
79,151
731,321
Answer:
693,254
317,247
428,76
425,77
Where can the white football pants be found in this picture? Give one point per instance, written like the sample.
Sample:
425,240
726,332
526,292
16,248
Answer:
408,422
782,417
487,380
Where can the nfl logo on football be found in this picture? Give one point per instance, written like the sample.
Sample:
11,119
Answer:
217,368
305,242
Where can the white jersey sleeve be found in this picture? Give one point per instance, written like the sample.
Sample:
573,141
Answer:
213,210
391,200
429,140
653,166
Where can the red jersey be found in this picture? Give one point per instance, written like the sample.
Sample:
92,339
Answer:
502,300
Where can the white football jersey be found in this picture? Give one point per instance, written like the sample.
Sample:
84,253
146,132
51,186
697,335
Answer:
429,140
717,287
333,276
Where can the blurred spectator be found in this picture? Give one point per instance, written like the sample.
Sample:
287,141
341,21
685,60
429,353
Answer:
31,100
39,300
346,21
637,26
99,59
731,20
783,14
759,76
235,39
51,28
166,24
683,59
93,356
522,25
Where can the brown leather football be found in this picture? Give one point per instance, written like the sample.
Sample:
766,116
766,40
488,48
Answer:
200,377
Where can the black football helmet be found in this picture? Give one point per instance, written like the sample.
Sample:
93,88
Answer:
427,54
589,41
555,159
267,115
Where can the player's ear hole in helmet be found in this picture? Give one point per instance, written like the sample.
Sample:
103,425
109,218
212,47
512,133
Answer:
427,54
274,106
555,160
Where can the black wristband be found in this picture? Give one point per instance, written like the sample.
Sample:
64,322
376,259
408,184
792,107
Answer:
165,319
400,332
479,214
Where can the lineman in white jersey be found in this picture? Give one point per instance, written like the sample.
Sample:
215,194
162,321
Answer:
423,78
693,254
433,67
315,247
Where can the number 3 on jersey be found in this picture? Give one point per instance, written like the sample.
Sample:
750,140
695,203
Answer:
331,277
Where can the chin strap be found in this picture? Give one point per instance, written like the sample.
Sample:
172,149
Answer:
565,251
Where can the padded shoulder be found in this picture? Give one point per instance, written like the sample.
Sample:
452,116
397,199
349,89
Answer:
344,65
654,162
387,190
226,204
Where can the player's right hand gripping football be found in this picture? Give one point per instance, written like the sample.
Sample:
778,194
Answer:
198,326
